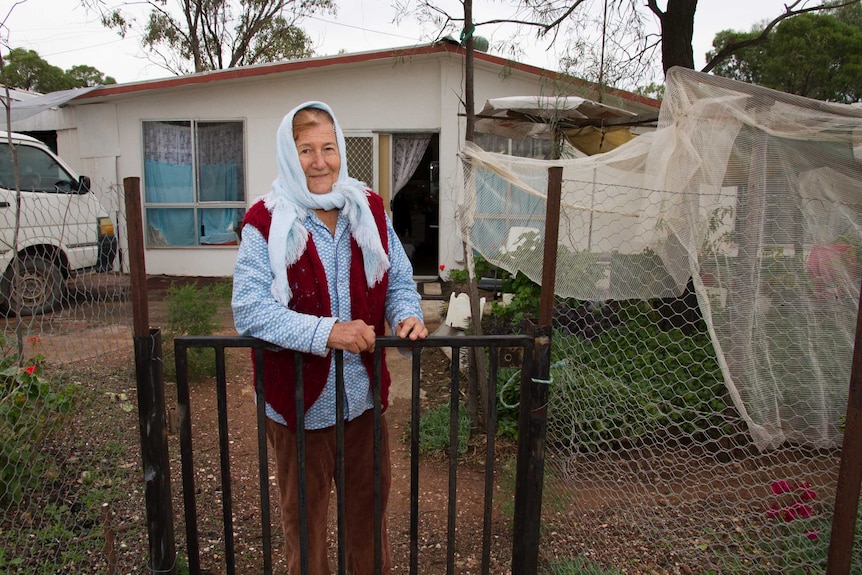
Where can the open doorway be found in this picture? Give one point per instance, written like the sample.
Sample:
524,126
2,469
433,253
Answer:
416,212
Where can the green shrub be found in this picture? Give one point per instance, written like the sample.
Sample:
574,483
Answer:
458,276
625,383
191,310
33,405
434,429
634,381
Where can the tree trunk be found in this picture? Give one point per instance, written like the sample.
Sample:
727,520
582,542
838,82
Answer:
677,32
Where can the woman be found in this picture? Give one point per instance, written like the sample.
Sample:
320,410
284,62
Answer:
320,268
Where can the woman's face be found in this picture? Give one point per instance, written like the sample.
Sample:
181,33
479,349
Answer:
319,157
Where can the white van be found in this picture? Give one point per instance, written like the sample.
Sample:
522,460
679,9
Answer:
51,220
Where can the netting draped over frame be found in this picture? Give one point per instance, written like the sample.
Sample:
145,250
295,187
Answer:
754,194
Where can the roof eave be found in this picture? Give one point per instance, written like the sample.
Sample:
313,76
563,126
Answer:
262,70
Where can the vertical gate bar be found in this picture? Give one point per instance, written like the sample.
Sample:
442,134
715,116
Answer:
455,374
532,423
263,462
490,436
300,463
850,470
224,454
184,415
339,461
414,463
378,440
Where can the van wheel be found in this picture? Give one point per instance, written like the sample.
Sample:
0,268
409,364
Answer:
36,288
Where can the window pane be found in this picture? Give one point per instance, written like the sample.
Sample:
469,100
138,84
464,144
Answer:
218,226
171,227
168,163
221,170
167,183
38,171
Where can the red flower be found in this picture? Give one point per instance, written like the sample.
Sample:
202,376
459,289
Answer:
809,495
779,487
34,339
31,369
442,267
802,510
812,534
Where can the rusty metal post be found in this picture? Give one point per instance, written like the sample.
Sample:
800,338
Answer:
151,398
533,419
850,470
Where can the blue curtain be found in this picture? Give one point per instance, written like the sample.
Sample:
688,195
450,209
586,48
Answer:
170,183
218,183
173,183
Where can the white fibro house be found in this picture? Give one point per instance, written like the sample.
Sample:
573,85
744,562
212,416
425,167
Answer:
203,145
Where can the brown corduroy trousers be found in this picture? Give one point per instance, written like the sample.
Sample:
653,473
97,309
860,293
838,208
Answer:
320,475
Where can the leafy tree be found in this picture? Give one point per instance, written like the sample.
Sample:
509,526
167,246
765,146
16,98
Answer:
86,76
185,36
26,70
815,55
652,90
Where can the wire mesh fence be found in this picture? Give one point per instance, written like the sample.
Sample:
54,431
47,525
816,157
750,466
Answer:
650,468
70,492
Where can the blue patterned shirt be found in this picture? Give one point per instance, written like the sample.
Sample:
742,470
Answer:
257,314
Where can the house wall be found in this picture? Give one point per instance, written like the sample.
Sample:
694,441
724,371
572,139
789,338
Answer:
417,93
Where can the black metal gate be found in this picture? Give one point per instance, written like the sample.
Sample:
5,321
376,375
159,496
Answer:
529,471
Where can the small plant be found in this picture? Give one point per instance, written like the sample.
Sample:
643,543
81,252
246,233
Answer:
191,310
32,407
458,276
434,429
508,319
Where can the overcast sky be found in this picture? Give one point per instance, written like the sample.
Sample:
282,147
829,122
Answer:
65,34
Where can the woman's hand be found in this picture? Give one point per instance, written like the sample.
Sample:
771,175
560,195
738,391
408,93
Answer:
413,328
354,336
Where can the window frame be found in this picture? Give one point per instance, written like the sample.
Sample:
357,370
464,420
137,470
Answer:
197,205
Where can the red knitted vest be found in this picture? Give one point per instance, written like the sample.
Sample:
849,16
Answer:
310,294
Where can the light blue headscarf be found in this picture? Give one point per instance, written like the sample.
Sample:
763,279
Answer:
289,202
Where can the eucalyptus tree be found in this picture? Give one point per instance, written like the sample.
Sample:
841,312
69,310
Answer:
815,55
26,70
185,36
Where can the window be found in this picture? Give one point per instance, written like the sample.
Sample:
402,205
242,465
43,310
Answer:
194,182
360,158
525,148
38,171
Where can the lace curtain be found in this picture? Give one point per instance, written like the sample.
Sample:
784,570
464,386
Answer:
408,152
